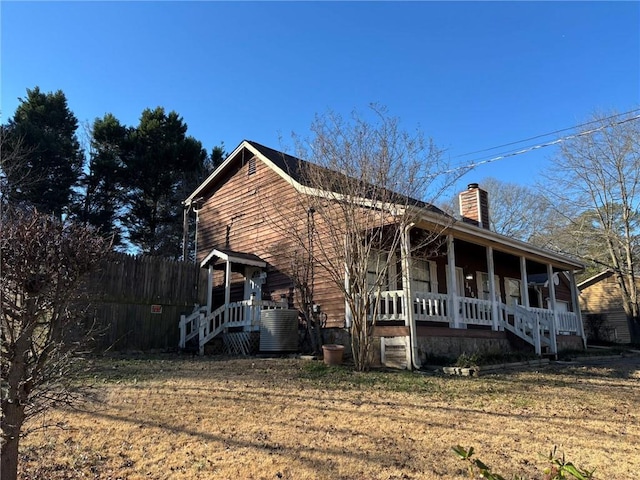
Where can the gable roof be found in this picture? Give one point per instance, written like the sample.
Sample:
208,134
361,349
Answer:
595,279
290,168
218,255
293,169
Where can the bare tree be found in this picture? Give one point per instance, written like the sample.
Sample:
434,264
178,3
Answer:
365,185
42,264
596,178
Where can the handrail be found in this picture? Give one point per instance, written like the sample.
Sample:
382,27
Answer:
206,327
189,325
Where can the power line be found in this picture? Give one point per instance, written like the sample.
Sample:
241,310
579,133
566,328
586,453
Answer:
477,163
548,134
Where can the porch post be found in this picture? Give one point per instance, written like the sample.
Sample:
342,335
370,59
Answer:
452,288
209,289
575,301
524,281
552,300
496,323
407,301
227,290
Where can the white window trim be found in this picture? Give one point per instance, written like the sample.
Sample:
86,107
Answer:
480,287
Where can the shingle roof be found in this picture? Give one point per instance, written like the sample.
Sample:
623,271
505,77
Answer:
294,167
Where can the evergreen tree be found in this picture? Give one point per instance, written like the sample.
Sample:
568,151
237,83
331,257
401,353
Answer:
218,154
103,183
46,129
163,166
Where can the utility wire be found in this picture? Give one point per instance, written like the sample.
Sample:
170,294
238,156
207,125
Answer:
477,163
548,134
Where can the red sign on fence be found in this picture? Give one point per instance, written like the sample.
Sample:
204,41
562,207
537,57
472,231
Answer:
156,308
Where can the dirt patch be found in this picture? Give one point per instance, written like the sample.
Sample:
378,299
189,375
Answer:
170,417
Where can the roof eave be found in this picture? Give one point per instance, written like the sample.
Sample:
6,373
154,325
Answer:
211,178
496,238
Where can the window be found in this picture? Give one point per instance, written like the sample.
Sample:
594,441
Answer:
484,293
512,289
378,271
423,275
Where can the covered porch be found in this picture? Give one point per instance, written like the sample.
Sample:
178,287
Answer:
475,283
233,318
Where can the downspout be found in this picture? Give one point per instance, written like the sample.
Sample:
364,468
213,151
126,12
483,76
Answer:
185,229
406,285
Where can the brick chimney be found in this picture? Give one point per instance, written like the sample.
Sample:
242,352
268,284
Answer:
474,206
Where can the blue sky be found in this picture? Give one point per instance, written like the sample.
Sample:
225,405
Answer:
470,75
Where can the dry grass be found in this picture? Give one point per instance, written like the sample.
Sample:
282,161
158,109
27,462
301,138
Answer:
171,417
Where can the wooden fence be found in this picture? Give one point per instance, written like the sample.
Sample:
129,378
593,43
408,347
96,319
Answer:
136,302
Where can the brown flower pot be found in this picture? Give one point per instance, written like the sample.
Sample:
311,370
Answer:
332,354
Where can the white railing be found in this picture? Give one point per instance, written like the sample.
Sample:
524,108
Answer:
545,316
476,311
387,305
534,325
537,326
190,325
568,323
430,306
245,313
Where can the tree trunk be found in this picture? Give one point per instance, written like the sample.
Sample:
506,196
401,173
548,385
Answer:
11,426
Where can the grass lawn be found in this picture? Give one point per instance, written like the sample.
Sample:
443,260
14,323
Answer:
172,417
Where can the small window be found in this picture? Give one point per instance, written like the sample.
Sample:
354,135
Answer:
252,166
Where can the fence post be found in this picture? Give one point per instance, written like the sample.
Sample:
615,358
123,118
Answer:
183,332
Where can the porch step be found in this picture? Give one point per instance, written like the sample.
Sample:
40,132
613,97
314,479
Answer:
518,343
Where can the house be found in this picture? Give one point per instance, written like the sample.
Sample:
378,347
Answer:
601,303
476,291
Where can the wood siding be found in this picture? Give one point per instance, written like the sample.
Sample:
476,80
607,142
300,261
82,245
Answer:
604,298
244,213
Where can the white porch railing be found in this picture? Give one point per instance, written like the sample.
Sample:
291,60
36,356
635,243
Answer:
475,311
245,314
387,306
538,326
430,306
568,323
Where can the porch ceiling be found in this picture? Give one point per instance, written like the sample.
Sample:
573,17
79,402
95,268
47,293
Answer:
501,243
218,257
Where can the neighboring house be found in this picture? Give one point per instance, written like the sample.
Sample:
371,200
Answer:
499,297
601,302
